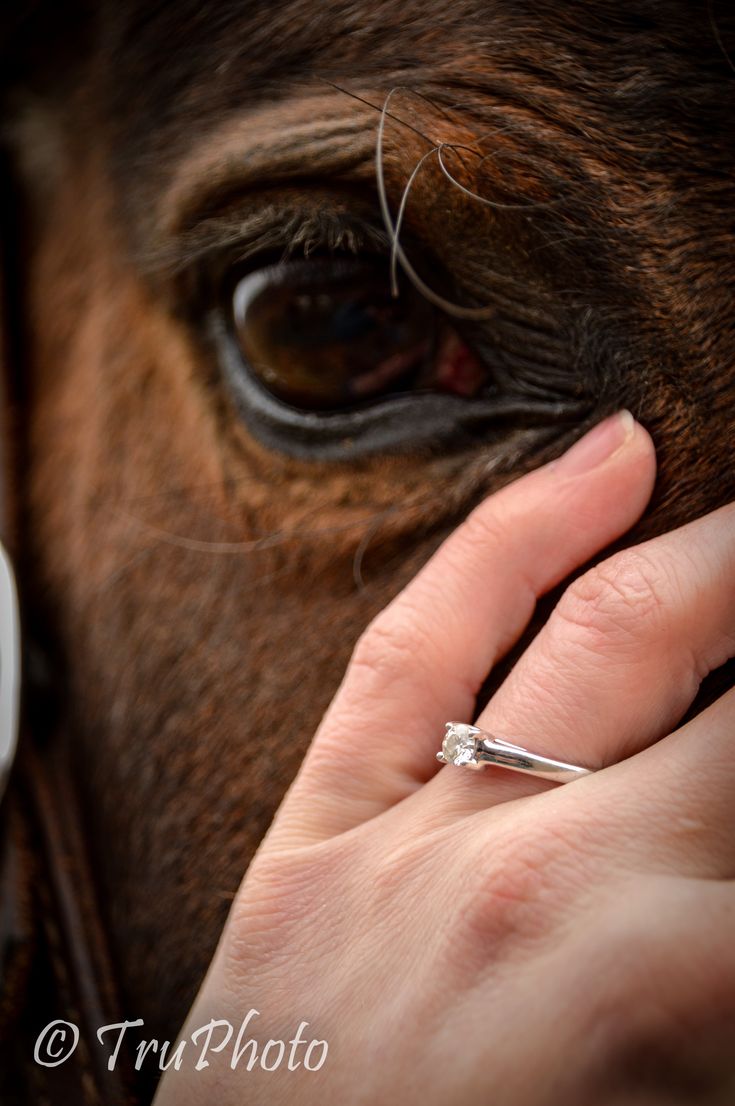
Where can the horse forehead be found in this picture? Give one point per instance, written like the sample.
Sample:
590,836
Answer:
221,58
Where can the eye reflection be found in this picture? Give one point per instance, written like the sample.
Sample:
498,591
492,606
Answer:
326,334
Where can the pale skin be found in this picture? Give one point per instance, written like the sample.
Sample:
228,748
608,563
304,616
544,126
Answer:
482,937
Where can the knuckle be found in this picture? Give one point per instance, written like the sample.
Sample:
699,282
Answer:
520,890
617,599
492,537
388,646
488,530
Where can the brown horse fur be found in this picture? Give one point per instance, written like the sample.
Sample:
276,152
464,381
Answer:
200,591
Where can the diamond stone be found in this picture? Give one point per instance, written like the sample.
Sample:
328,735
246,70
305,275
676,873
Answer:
458,746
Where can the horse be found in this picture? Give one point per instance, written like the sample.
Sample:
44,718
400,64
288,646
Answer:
484,227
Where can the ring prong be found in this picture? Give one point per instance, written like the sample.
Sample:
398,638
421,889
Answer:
440,756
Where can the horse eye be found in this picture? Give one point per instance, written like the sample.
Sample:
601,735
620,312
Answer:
327,335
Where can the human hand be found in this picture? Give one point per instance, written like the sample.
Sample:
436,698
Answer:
471,937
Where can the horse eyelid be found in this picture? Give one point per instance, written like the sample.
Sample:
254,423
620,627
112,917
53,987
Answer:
241,237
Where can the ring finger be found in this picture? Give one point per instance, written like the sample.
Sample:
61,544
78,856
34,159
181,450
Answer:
618,663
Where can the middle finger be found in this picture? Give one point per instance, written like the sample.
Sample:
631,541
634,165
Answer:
619,661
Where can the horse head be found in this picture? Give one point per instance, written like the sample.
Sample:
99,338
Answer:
289,290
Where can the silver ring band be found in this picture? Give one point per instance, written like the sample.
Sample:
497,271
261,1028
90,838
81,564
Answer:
469,747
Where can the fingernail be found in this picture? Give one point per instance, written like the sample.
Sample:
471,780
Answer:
597,446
